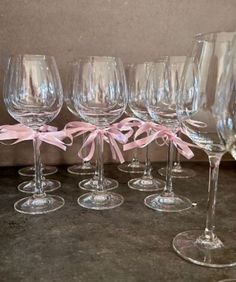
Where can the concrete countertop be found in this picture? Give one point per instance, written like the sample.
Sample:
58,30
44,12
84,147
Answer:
128,244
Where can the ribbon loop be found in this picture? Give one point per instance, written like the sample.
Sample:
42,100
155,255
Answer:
20,132
155,131
116,133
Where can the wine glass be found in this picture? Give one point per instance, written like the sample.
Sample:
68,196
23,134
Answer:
200,102
134,166
29,170
100,98
138,75
33,97
161,105
176,70
91,183
85,168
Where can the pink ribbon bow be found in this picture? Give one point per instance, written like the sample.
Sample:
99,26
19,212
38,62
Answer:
111,135
155,131
47,134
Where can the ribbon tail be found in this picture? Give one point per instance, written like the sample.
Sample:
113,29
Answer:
183,149
116,152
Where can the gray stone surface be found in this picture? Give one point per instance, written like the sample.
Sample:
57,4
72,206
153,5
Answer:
128,244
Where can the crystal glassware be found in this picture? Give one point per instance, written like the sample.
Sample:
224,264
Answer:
100,98
138,75
200,103
161,96
33,97
91,183
85,168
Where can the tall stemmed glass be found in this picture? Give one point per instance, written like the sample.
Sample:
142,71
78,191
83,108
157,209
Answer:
71,90
100,98
85,168
161,105
33,96
176,70
200,103
137,103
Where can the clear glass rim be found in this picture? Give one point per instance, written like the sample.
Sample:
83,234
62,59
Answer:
211,36
77,61
150,63
112,58
42,56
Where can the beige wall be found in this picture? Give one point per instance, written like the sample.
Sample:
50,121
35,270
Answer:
135,30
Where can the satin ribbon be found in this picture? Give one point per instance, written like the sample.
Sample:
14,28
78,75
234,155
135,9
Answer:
47,134
155,131
111,135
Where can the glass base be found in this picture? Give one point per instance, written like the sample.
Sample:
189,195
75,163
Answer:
83,169
146,184
132,167
178,172
92,183
186,244
39,204
100,201
29,170
167,202
48,185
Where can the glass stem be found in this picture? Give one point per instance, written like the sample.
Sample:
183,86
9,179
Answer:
96,165
135,155
37,166
168,188
177,159
177,156
84,163
100,169
148,168
214,160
